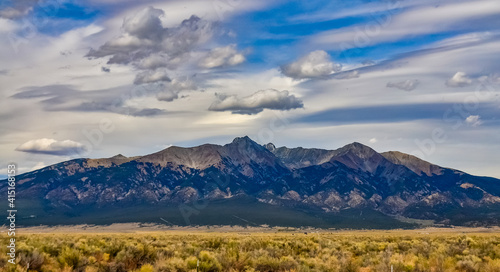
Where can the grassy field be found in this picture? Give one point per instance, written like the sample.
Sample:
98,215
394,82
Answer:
272,250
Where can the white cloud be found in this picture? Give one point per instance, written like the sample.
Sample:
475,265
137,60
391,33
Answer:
52,147
490,79
7,25
460,79
343,12
473,120
183,84
407,85
315,64
373,140
257,102
420,20
146,24
465,39
222,56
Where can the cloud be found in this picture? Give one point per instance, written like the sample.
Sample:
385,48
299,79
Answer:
146,43
222,56
52,147
19,8
146,24
373,140
37,166
392,25
66,98
169,91
152,49
346,75
460,79
167,95
490,79
158,60
105,69
12,13
394,113
407,85
368,62
147,112
149,76
473,120
313,65
257,102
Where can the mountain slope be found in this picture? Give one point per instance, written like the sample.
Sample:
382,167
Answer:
299,157
413,163
316,181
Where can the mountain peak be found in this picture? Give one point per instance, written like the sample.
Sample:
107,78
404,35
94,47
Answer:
359,156
242,139
357,148
245,141
356,145
119,157
251,157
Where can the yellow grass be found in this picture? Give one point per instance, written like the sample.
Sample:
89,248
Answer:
229,249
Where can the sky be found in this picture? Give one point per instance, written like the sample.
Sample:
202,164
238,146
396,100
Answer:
97,78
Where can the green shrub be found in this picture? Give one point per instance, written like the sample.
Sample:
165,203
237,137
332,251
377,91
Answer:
70,257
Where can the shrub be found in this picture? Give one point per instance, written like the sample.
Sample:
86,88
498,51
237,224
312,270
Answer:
208,262
133,256
70,258
146,268
172,265
32,260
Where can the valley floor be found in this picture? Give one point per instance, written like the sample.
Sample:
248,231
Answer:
142,247
151,227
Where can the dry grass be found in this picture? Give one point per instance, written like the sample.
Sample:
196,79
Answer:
182,250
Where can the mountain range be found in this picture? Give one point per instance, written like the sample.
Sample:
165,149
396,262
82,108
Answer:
245,183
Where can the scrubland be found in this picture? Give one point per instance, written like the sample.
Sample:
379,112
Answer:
256,251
